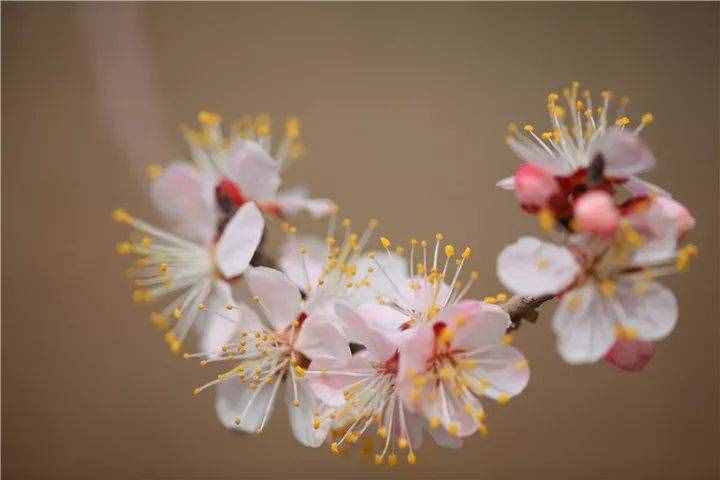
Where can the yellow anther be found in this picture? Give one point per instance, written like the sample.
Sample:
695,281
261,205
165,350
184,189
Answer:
140,296
507,339
521,365
512,127
461,320
546,219
292,128
262,125
379,459
373,223
469,409
413,242
209,119
177,313
153,171
557,111
607,288
503,399
159,321
446,336
121,216
480,416
296,402
474,275
392,459
419,380
449,250
622,121
453,429
385,242
163,267
346,223
439,236
402,443
529,128
501,297
446,373
299,371
491,300
684,255
124,248
482,428
434,422
400,251
334,448
197,390
411,458
382,432
547,136
553,97
647,118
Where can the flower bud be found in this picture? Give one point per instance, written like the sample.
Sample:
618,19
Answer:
595,212
630,355
533,185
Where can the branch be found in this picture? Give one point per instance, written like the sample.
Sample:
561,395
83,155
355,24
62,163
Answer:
524,308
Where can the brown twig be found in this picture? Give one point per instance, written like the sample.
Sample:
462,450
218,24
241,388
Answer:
524,308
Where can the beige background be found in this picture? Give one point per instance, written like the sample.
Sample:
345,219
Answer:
404,109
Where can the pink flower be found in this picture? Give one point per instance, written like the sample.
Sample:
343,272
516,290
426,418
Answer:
271,350
225,174
362,393
447,365
595,212
630,355
534,186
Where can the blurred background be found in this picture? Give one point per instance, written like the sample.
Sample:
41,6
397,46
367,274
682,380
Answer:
404,109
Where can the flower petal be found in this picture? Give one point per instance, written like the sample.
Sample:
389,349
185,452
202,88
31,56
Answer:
630,355
234,400
254,171
648,308
303,268
377,327
503,368
540,158
301,416
240,240
185,197
507,183
659,230
319,337
297,199
444,439
394,266
625,153
329,387
584,323
477,325
533,268
278,296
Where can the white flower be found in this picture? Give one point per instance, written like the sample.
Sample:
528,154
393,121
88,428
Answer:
340,268
447,365
579,135
608,287
277,350
228,172
193,274
362,393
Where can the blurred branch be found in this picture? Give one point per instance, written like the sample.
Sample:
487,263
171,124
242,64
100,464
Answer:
524,308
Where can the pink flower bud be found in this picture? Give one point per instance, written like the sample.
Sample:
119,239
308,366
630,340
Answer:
684,220
595,212
630,355
534,186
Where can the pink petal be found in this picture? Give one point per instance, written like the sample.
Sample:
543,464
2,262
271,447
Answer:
630,355
534,186
595,212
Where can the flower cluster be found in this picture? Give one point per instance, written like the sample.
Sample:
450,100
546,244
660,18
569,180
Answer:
613,233
384,346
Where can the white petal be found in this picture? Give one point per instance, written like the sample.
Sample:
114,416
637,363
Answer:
396,268
533,268
279,297
330,387
255,172
637,187
648,308
444,439
625,153
320,338
584,323
477,325
234,400
539,157
297,199
239,241
366,326
303,268
301,416
507,183
185,197
659,231
504,368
